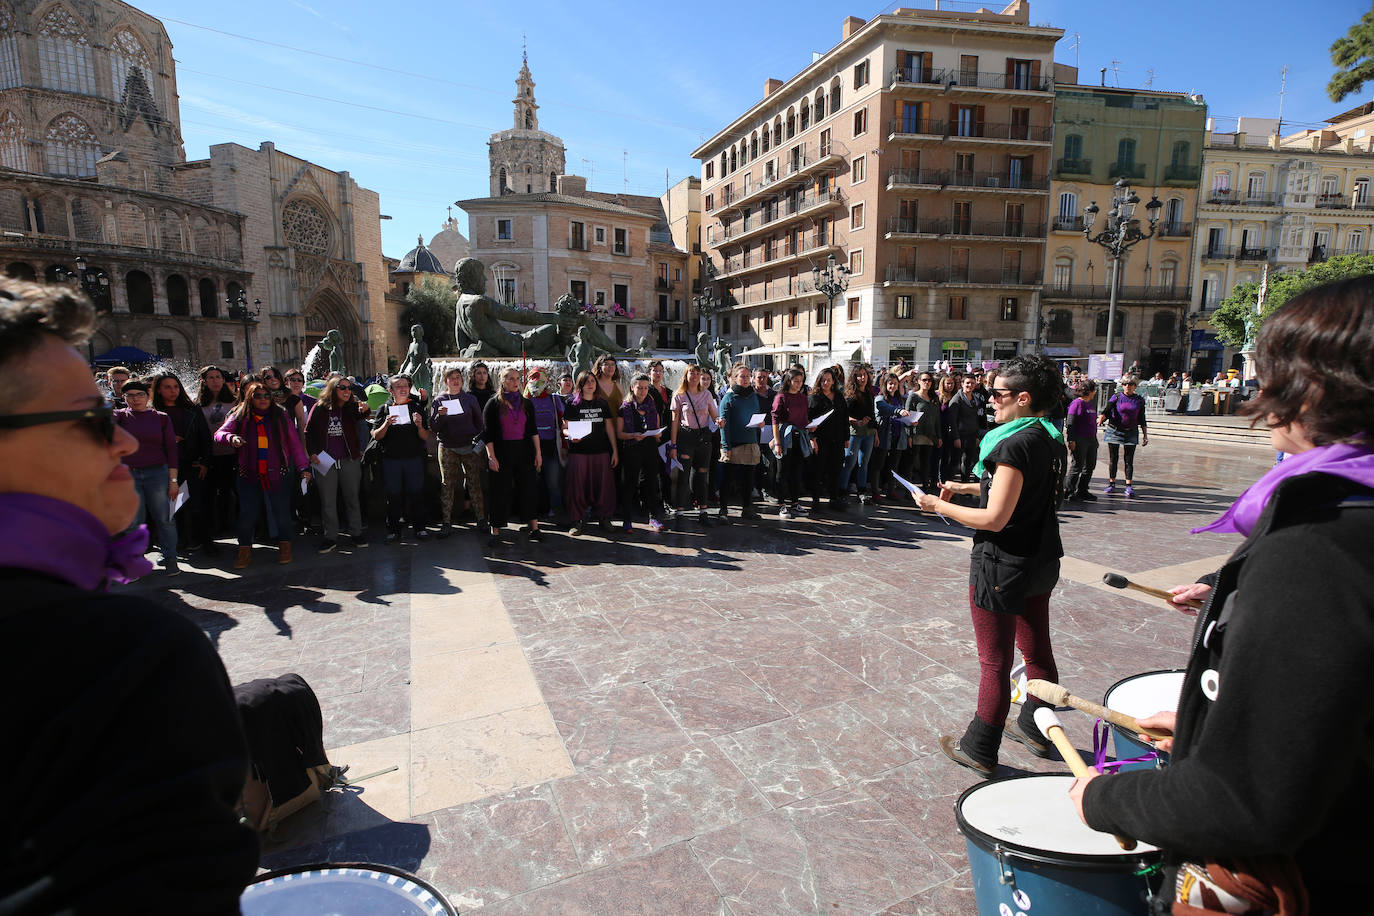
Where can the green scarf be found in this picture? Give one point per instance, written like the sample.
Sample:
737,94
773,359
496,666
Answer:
1002,430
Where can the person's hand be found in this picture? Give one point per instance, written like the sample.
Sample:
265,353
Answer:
236,441
1197,591
443,409
903,413
1072,443
958,443
172,489
1144,440
928,503
538,463
202,470
777,449
725,455
615,459
390,419
494,464
947,491
314,459
305,475
1161,721
1076,791
814,445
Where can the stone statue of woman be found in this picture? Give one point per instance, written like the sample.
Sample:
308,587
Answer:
417,364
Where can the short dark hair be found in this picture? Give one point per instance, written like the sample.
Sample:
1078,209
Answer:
138,384
1316,363
1037,376
30,312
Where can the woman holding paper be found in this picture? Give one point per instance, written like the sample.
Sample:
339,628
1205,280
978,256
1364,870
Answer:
331,441
401,432
923,445
1015,557
828,438
891,428
638,430
859,393
154,466
193,452
791,440
513,458
457,420
694,415
592,456
739,443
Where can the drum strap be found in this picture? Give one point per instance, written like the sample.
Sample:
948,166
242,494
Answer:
1101,730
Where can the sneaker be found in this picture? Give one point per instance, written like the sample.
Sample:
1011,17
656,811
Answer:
328,546
1087,497
1109,488
444,531
798,510
785,512
1033,742
627,526
863,499
576,529
655,525
391,537
536,536
950,747
1130,490
704,518
422,534
359,540
605,526
172,568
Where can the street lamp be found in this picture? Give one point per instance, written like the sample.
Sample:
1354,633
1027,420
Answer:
707,303
239,311
95,284
830,283
1122,231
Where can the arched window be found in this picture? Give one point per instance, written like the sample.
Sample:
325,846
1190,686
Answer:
529,119
139,288
505,183
754,145
1354,241
805,114
178,296
233,291
820,104
777,131
766,138
209,298
835,95
64,53
1173,215
9,51
1068,211
18,270
70,148
553,181
127,54
791,123
1361,190
1221,181
724,164
13,153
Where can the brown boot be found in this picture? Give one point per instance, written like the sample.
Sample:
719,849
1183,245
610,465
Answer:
284,552
245,554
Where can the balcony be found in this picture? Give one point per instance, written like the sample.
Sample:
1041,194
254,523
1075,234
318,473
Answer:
789,208
904,127
1131,170
947,178
1073,166
1218,253
1232,198
964,277
1067,224
813,157
1187,174
968,79
1102,293
1001,229
663,283
1255,254
806,247
1175,230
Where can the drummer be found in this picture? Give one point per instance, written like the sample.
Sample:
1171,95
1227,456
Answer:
1272,774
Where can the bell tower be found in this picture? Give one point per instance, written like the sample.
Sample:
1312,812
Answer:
526,109
523,158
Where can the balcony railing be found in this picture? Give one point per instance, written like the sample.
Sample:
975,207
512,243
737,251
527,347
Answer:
1119,169
953,178
1237,254
970,79
1174,172
980,228
809,244
967,130
1175,230
787,208
1068,224
663,283
984,277
1073,166
1102,292
1343,202
1249,200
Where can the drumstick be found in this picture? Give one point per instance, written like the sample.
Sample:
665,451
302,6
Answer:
1116,580
1056,695
1048,723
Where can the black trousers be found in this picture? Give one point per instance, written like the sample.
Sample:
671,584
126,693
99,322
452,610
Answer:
513,490
790,474
641,469
827,464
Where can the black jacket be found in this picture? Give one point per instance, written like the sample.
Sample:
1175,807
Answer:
835,428
1280,758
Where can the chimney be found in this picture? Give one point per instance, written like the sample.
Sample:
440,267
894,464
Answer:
1104,76
771,86
572,185
851,25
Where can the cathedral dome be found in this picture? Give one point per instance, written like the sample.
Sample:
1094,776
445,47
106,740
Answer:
420,260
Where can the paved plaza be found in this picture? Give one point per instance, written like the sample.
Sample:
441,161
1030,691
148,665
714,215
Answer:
739,720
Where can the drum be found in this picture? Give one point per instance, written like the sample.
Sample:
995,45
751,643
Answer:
342,890
1138,696
1029,853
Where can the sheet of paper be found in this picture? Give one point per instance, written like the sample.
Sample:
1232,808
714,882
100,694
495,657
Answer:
326,462
579,429
819,420
183,494
401,412
766,435
654,432
915,491
452,407
757,421
910,419
305,486
712,425
673,465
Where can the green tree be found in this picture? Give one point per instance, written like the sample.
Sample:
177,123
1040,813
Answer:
433,306
1236,316
1353,55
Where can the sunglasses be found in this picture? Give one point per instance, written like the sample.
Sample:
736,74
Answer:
343,387
1000,393
99,420
262,394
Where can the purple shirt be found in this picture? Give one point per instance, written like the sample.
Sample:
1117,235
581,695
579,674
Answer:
512,421
1082,421
1124,411
641,417
157,440
334,442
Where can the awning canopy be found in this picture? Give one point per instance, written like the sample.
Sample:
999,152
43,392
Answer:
124,355
773,351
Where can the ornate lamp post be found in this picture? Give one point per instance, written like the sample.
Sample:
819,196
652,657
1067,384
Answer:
1120,233
239,311
96,285
707,302
830,283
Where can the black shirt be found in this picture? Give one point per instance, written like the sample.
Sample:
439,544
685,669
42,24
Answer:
597,411
1033,529
402,440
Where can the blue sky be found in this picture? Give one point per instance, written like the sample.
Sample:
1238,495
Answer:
404,96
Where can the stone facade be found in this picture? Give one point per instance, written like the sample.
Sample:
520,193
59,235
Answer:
1284,201
525,159
1154,140
94,167
917,152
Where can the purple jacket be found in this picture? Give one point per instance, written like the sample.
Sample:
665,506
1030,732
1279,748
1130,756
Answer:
284,450
157,440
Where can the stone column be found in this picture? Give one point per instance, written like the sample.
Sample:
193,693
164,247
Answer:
119,289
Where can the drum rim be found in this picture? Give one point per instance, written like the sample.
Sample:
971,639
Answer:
1104,862
1106,696
370,866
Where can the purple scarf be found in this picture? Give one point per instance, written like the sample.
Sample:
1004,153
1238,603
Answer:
64,541
1351,461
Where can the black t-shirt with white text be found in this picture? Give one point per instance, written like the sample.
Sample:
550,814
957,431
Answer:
598,412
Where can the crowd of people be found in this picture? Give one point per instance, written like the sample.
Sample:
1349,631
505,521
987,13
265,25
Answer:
259,456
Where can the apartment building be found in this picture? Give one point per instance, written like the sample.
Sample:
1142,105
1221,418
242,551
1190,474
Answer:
917,153
1282,201
1154,141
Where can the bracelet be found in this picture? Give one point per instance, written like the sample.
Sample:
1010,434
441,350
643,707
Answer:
670,444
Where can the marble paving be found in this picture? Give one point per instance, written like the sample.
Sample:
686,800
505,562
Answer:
733,720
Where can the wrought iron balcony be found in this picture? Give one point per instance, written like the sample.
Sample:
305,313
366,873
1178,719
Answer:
977,228
967,129
1175,230
974,277
969,79
1133,170
1102,292
1073,166
1068,224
